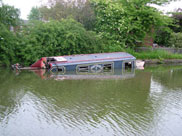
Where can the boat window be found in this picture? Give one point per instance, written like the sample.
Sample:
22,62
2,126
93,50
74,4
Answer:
51,59
96,68
83,69
60,69
107,67
128,66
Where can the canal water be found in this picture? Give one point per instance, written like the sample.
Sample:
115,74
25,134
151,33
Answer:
143,103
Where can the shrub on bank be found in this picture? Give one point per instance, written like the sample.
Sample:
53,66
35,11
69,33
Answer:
57,38
176,40
8,45
162,36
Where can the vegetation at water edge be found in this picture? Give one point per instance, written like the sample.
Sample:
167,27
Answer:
60,27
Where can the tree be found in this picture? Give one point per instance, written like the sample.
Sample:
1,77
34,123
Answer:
9,16
177,16
125,23
80,10
176,40
35,14
8,45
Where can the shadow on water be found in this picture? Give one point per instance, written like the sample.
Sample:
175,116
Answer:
130,104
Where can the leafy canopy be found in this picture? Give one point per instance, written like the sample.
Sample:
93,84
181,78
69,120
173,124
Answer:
35,14
8,45
9,16
80,10
126,22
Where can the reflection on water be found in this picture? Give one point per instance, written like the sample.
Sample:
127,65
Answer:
75,75
147,103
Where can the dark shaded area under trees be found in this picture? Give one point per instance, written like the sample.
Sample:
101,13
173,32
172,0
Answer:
84,26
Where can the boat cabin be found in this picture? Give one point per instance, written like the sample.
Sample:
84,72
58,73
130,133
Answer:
88,63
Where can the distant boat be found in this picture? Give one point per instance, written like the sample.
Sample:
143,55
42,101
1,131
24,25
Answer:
87,63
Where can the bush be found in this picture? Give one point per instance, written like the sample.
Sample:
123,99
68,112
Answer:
8,44
56,38
176,40
162,36
125,23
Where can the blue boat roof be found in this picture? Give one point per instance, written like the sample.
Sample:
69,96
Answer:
98,57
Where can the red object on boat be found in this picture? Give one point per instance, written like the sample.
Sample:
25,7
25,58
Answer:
40,63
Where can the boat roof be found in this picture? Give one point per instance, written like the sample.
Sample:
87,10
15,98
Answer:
94,57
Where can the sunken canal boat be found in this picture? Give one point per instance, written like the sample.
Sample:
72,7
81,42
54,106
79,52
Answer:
87,63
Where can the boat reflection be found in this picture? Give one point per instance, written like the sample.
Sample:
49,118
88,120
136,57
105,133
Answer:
75,75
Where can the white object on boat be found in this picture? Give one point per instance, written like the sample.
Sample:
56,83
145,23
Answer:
60,59
140,64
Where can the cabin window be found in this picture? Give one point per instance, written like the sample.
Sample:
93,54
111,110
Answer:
128,65
51,60
60,69
95,68
107,67
83,68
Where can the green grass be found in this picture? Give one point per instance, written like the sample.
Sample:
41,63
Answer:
159,54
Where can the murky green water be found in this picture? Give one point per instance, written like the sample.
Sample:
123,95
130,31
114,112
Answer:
148,103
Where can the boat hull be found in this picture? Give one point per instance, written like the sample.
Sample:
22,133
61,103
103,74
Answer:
96,67
87,63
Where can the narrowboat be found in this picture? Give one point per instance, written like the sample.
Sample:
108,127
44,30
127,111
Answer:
87,63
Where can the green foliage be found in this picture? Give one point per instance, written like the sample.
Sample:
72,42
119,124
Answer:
9,16
35,14
162,36
7,46
80,10
177,16
171,35
57,38
176,40
125,23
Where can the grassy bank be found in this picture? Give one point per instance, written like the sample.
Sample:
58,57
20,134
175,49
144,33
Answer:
160,55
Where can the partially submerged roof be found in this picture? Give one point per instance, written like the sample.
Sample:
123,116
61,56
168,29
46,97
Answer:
95,57
85,58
